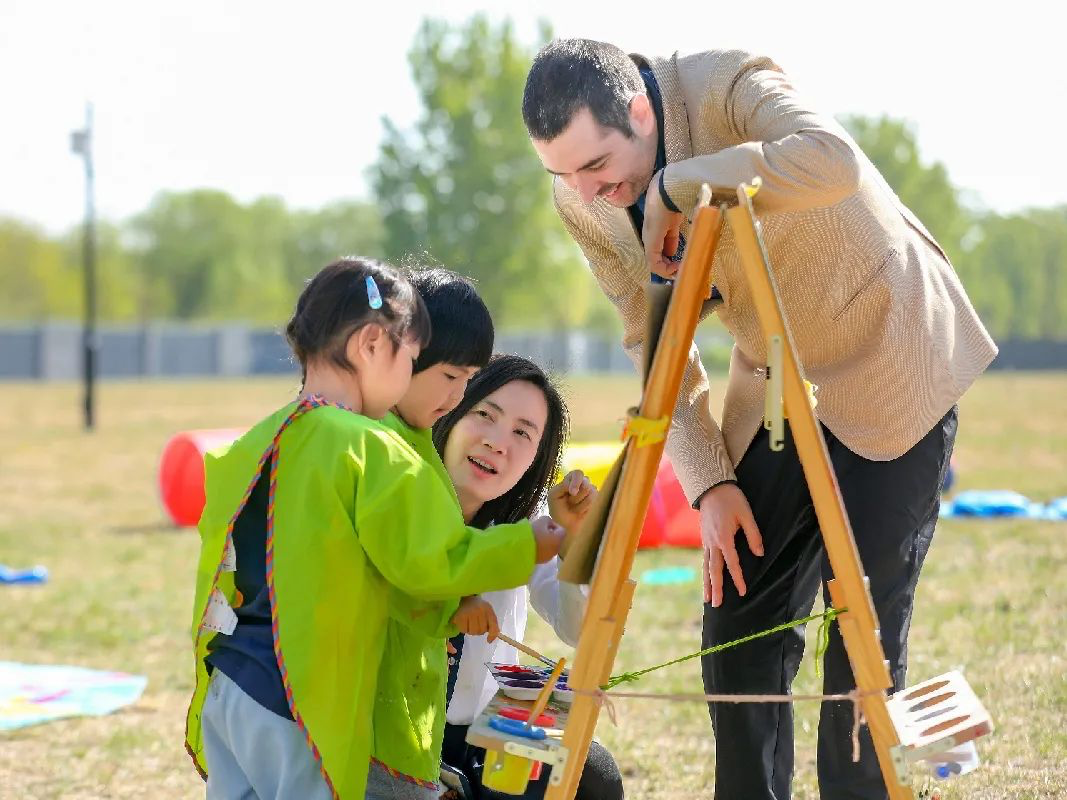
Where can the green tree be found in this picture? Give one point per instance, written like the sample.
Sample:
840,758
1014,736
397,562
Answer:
38,278
191,245
1022,261
190,255
117,282
204,255
318,237
43,275
465,189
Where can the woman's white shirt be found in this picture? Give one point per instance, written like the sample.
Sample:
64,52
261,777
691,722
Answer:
561,605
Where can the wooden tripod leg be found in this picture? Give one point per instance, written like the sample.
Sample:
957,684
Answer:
585,710
622,610
859,627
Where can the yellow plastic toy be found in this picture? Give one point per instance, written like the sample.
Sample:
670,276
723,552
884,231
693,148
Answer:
505,772
592,458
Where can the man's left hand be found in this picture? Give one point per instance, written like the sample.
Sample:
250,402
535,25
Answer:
660,234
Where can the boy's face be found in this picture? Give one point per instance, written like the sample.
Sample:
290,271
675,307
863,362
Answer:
433,393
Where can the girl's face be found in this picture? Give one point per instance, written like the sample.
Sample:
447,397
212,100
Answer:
491,447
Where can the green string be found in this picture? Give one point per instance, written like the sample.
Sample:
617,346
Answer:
822,637
822,641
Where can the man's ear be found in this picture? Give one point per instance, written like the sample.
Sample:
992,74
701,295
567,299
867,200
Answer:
642,115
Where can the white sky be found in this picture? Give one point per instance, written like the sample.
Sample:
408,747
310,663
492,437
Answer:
286,98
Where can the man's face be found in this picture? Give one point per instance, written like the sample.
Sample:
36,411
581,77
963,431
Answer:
602,162
433,393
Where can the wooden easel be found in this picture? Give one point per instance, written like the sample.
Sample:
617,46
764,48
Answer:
925,720
611,590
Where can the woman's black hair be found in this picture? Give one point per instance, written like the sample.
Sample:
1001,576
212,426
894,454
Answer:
345,296
522,499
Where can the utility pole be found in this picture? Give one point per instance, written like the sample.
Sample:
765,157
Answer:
81,143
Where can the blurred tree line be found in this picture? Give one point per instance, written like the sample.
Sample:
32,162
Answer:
463,188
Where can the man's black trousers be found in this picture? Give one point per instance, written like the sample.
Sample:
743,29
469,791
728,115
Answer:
892,507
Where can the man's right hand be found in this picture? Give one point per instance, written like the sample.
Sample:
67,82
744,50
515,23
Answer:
661,233
723,511
548,538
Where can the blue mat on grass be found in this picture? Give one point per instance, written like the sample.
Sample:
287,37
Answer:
988,504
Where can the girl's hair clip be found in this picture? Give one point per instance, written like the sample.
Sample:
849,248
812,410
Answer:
374,297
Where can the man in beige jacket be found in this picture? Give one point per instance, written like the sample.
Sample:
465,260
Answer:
881,322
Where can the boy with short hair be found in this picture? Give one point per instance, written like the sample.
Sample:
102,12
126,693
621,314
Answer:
461,344
414,667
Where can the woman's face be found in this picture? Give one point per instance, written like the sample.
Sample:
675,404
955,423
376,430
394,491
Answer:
491,447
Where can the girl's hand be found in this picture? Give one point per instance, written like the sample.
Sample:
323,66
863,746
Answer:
548,538
570,499
475,616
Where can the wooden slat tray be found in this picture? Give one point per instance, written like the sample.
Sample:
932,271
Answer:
937,715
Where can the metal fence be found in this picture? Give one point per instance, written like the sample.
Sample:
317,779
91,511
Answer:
52,351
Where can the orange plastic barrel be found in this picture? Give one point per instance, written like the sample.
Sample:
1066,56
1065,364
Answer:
681,525
652,531
670,521
181,472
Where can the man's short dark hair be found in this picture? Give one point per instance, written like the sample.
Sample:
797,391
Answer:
462,327
571,74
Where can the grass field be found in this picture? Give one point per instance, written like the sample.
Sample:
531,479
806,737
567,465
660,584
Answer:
993,599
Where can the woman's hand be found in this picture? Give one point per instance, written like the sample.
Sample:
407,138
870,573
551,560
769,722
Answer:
475,616
570,499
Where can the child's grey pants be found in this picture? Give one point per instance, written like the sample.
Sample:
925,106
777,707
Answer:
252,753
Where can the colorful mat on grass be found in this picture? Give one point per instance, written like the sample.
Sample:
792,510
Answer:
31,693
